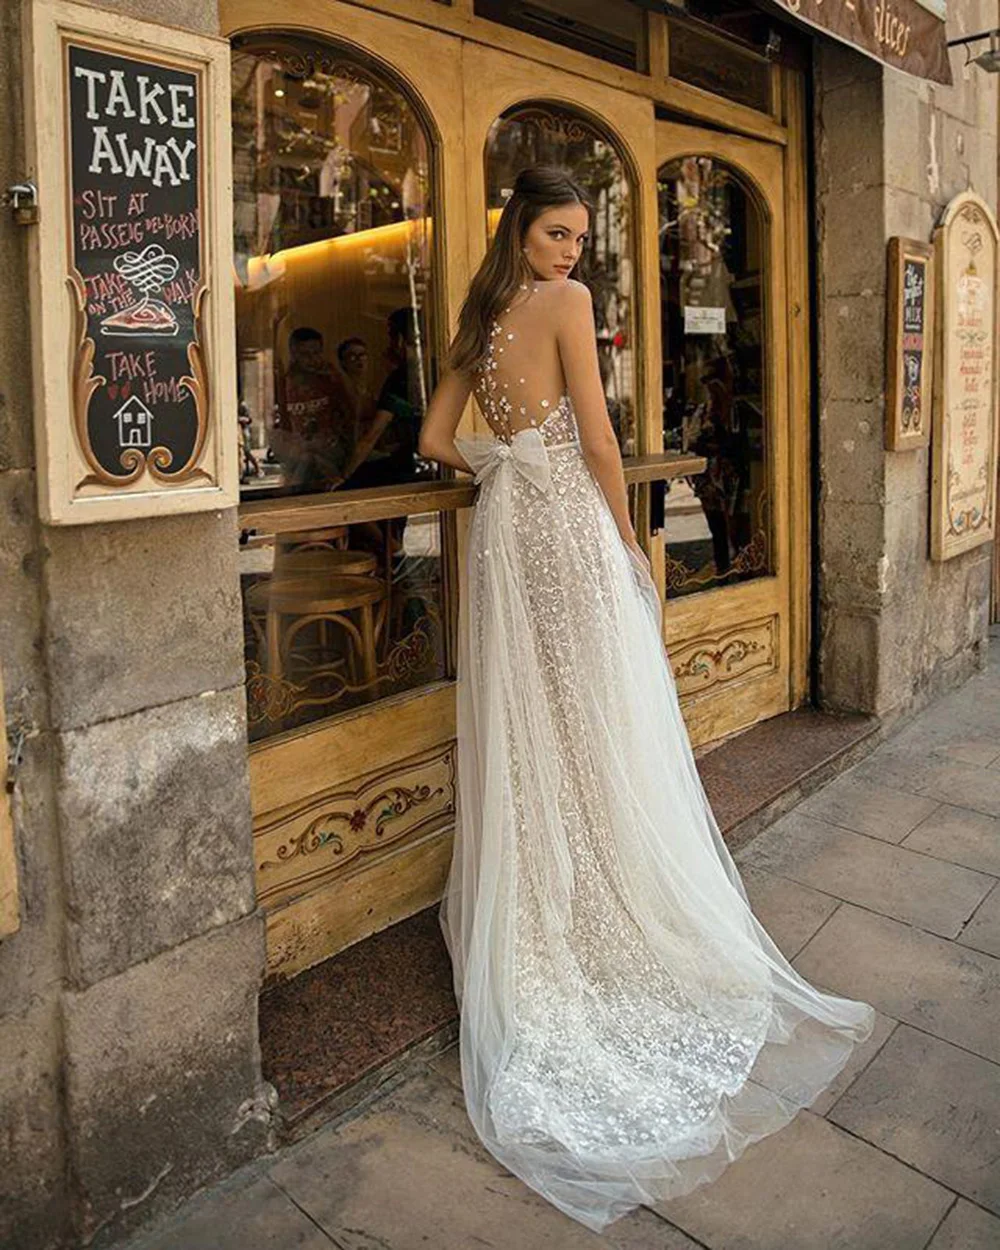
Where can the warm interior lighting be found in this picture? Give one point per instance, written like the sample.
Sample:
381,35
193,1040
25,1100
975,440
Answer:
262,270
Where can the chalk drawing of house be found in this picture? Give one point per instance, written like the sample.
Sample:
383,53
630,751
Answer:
135,423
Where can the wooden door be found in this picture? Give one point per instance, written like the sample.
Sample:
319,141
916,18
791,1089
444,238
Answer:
726,548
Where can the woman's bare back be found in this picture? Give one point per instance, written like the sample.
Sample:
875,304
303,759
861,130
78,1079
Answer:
522,384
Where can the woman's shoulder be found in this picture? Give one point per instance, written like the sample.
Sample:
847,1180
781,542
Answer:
568,299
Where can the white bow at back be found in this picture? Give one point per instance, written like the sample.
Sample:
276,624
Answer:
526,453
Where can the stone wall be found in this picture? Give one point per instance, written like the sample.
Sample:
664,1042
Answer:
128,999
891,151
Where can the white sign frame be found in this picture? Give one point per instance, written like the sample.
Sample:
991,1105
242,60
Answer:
66,496
963,513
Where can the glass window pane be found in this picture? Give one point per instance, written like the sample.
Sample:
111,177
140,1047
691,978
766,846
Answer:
339,617
716,64
713,265
333,208
534,134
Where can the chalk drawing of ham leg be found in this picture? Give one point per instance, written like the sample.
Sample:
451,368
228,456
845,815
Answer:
146,271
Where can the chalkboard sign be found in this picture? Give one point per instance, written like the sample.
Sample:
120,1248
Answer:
133,298
137,266
910,343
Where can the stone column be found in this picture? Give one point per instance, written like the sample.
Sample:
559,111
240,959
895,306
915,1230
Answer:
128,999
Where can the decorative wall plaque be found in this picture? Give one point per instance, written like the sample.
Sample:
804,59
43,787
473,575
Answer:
963,505
132,302
909,345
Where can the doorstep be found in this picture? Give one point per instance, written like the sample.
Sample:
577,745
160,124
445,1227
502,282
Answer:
334,1035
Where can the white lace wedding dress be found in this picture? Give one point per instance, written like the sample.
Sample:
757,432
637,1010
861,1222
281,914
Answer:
627,1025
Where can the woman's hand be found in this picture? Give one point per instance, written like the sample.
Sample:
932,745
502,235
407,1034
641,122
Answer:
632,543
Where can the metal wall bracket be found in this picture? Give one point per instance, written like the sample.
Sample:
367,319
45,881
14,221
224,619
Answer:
22,200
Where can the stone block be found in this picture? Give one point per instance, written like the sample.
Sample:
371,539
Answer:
142,614
852,546
839,66
34,1211
188,14
20,591
907,120
848,659
853,456
910,214
922,891
812,1185
878,811
923,980
417,1144
852,242
851,136
933,1106
156,828
852,342
32,959
163,1085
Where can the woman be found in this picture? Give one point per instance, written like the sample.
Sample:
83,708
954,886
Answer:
628,1027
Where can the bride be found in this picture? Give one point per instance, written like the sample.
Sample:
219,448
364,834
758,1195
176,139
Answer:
627,1025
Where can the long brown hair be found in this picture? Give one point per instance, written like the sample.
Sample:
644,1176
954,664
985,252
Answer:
504,266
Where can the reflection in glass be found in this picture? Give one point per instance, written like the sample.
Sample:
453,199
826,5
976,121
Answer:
544,134
713,257
339,617
333,203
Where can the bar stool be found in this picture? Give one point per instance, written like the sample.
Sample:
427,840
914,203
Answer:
306,599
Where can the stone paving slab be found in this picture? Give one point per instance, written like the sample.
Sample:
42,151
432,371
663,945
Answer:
411,1173
933,984
812,1185
934,1107
967,1228
791,913
982,932
248,1213
904,884
865,807
959,836
859,1060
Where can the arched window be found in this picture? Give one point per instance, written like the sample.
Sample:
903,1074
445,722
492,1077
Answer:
713,269
542,133
333,203
334,199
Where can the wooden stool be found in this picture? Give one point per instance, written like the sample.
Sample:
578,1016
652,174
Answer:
333,538
319,598
291,561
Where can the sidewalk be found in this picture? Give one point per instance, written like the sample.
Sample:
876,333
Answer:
884,886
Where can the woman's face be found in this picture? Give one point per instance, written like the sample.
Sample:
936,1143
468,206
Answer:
554,240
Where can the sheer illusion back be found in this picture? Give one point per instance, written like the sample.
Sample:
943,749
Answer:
521,384
627,1026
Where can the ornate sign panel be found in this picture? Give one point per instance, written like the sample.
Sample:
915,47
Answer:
909,344
963,506
132,303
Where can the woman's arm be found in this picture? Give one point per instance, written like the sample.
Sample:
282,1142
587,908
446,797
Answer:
577,339
437,433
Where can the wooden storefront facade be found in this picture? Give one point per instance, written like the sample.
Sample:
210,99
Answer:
372,145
